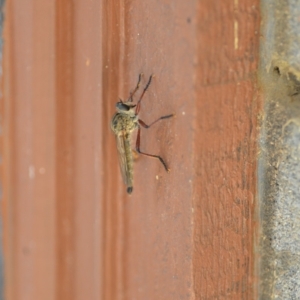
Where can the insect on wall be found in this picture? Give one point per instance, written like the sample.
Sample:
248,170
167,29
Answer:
123,124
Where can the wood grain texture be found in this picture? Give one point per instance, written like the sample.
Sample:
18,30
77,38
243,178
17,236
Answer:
194,226
71,230
226,150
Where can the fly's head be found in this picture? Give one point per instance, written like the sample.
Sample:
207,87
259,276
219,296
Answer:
127,108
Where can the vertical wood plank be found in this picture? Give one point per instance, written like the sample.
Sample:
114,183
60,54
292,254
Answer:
29,160
226,149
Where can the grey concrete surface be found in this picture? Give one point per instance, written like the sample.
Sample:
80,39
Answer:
279,158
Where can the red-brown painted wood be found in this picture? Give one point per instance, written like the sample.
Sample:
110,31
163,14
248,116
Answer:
226,154
70,229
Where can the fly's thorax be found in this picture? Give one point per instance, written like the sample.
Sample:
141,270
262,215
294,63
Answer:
124,123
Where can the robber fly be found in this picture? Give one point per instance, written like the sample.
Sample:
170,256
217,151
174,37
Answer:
123,123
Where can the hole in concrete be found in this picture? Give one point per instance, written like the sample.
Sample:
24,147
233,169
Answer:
277,70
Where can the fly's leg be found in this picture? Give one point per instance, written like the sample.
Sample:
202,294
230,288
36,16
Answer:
138,140
142,123
136,88
138,105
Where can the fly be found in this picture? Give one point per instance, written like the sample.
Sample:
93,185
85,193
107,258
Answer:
123,123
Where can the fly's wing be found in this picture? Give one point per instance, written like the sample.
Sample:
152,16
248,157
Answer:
125,157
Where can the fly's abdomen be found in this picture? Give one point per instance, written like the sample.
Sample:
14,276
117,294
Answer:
129,161
123,125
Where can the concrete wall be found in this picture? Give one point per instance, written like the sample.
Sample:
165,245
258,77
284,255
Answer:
279,159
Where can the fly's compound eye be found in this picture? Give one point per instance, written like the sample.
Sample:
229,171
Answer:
122,106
